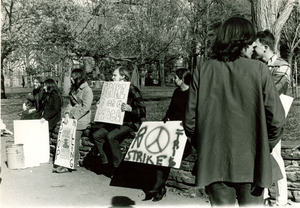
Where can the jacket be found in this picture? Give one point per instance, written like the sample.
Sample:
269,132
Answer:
52,110
80,106
235,116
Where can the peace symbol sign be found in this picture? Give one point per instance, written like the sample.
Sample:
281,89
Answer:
157,140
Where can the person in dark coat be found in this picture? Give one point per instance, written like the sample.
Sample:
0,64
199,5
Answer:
235,116
175,112
52,102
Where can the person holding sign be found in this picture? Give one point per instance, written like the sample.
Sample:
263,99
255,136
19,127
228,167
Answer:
79,108
281,72
52,103
236,118
175,112
134,110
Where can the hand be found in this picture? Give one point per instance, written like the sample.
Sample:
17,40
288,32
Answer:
98,103
126,107
165,119
31,110
43,120
24,107
66,118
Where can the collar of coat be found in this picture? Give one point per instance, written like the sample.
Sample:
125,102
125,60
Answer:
83,85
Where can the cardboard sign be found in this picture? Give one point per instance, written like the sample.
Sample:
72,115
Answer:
34,135
112,96
65,149
158,143
286,103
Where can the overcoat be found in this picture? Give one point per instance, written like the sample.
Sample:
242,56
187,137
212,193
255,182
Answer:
235,116
80,106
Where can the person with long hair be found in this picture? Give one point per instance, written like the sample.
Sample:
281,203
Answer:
175,112
33,105
52,102
235,117
79,108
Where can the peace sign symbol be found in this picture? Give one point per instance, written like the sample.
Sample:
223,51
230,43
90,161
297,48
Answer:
157,140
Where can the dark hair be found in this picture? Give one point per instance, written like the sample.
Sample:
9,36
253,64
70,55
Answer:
235,34
51,89
51,85
79,78
184,74
266,38
124,72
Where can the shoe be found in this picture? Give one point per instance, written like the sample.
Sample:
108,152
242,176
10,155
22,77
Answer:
149,196
61,169
268,203
160,194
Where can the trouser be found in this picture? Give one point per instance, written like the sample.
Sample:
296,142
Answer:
280,185
226,194
112,134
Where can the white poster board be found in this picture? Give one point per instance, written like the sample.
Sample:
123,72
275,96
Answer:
65,147
286,102
34,135
158,143
112,96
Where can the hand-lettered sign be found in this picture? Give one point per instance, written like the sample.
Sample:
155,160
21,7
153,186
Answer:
112,96
158,143
65,149
35,136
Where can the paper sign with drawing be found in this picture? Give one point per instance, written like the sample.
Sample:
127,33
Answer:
158,143
112,96
65,150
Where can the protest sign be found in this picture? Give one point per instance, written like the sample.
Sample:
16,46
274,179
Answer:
158,143
34,135
112,96
65,149
286,103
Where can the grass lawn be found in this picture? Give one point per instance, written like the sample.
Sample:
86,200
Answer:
157,100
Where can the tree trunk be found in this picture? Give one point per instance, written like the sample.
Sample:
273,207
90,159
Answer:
268,14
162,71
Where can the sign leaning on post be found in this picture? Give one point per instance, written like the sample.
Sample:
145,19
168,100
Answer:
158,143
65,149
112,96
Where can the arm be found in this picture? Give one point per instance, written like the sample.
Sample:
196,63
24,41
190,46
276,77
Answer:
275,116
138,109
81,109
189,121
52,107
170,110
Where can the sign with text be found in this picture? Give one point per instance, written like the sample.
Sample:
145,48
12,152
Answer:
34,135
112,96
65,148
158,143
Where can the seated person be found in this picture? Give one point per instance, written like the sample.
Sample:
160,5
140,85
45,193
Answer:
135,111
33,105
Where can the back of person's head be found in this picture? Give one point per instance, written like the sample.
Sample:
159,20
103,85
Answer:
235,34
266,38
51,85
124,72
184,74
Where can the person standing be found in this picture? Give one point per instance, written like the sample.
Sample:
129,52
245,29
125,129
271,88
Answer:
281,73
175,112
52,102
135,112
79,108
235,117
